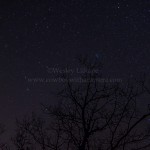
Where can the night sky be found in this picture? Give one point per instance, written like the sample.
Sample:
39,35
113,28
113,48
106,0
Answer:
40,34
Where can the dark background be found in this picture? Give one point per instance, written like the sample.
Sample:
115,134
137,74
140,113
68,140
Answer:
40,34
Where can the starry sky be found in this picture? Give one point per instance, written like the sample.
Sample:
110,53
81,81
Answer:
40,34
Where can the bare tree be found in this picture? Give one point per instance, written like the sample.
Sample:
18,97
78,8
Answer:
94,114
21,140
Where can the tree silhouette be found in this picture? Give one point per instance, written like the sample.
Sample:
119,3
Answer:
21,140
3,146
94,114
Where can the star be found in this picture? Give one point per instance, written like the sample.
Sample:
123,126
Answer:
6,46
27,89
97,56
